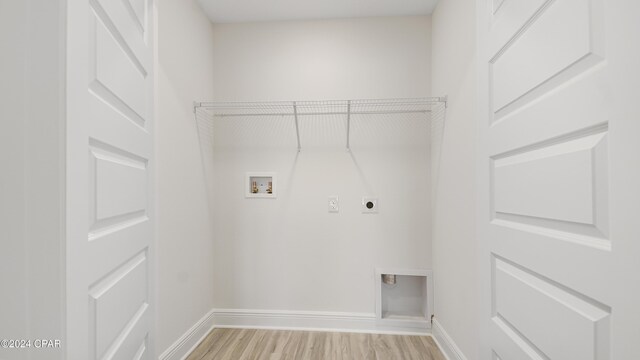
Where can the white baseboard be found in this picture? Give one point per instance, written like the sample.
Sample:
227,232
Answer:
190,339
288,320
446,343
314,320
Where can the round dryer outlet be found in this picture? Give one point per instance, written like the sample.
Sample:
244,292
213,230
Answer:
369,205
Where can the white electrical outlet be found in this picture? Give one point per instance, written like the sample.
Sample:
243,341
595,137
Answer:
369,205
334,205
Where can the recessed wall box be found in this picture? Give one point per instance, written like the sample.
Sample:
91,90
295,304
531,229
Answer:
409,300
260,185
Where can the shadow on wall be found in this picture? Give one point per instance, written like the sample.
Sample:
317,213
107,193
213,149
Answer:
317,133
438,127
366,185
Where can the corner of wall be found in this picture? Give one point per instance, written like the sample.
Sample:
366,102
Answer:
446,343
186,343
184,239
454,74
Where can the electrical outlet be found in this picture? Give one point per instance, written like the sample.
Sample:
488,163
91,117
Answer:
334,205
369,205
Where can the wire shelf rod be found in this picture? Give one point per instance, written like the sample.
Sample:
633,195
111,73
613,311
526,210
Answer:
289,104
325,113
433,106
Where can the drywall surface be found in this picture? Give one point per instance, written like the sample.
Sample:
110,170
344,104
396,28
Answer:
454,242
184,238
45,173
323,60
290,253
31,182
13,257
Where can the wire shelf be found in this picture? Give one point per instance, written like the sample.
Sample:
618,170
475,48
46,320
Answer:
430,107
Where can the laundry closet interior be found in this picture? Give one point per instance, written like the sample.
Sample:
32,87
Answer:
305,123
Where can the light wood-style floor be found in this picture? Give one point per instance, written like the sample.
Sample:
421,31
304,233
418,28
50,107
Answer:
235,344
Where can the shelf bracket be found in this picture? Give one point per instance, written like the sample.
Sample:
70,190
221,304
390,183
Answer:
295,114
348,124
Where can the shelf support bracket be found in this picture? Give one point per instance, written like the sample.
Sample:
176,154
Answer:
348,124
295,114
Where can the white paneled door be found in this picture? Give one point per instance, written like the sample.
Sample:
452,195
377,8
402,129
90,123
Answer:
109,179
559,186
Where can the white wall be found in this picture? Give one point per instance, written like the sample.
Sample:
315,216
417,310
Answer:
323,60
289,253
184,237
13,257
454,231
31,180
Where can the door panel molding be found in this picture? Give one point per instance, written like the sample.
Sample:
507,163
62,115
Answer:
557,249
110,180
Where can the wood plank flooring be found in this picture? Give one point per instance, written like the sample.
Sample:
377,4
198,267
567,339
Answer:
236,344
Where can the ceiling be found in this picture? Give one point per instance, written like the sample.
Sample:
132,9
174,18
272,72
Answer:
229,11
